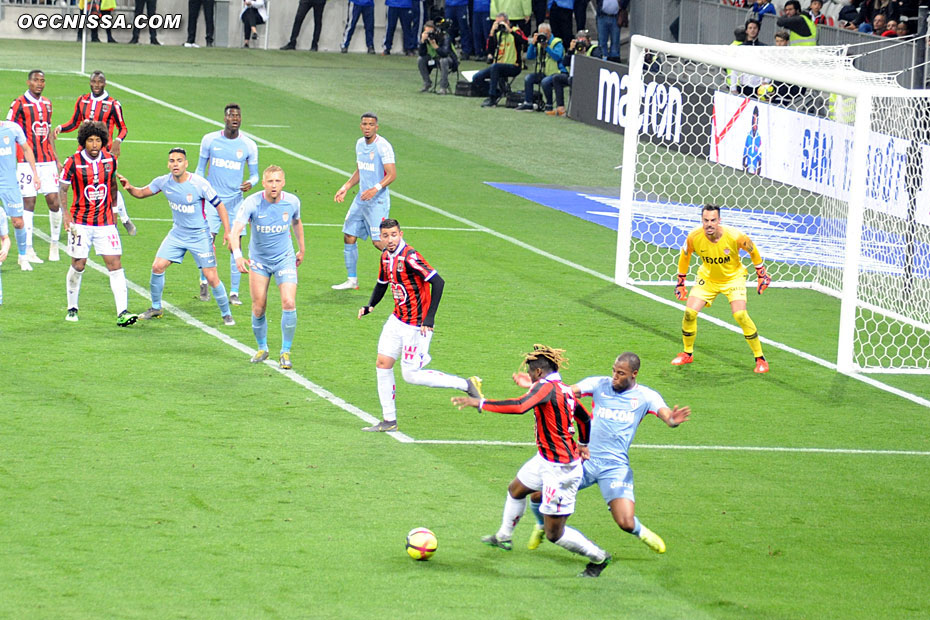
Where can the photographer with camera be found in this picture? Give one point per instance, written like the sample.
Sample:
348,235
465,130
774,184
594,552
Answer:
436,51
580,45
547,51
505,46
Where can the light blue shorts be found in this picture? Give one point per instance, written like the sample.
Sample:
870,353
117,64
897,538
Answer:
12,200
232,207
364,218
173,248
284,270
615,480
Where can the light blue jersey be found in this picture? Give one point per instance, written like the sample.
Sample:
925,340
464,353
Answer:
616,416
370,159
271,226
227,159
187,201
11,134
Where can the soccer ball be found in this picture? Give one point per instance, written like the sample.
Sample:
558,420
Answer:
421,543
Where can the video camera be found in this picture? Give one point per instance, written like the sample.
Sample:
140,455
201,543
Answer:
541,39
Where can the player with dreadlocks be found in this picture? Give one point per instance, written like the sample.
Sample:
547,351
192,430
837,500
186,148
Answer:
556,467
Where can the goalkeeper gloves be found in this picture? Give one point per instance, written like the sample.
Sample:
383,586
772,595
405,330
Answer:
763,280
681,293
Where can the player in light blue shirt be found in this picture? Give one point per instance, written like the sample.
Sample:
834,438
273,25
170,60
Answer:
187,194
374,171
11,198
620,404
4,248
226,153
272,213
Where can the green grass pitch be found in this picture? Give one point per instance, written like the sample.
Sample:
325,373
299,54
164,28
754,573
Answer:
152,472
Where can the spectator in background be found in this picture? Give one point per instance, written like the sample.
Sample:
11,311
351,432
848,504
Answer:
752,33
104,7
560,21
581,44
870,8
581,13
302,9
519,13
435,51
877,25
193,12
148,7
366,10
506,45
816,11
762,7
802,29
608,27
252,14
848,15
400,10
782,37
547,50
480,26
901,30
457,12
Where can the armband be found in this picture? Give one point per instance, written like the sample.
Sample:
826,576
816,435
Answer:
379,187
237,253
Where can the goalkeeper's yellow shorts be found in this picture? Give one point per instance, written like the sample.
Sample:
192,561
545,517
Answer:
707,290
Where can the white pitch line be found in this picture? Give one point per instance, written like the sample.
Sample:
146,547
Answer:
314,224
821,362
646,446
167,143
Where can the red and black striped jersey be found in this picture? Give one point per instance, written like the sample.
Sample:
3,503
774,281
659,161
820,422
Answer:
92,182
408,274
35,117
104,108
556,408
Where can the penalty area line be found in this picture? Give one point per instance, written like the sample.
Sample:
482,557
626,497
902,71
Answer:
543,253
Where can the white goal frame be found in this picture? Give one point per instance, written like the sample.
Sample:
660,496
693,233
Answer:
862,94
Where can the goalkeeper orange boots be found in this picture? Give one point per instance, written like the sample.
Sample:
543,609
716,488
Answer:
761,365
683,358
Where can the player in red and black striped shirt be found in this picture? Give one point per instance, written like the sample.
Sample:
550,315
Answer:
33,113
91,172
417,289
98,105
556,467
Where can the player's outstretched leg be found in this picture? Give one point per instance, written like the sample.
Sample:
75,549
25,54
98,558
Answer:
576,542
513,512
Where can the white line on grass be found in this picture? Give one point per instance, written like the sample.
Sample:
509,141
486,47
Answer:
811,358
316,225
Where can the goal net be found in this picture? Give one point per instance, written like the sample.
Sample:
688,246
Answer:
825,167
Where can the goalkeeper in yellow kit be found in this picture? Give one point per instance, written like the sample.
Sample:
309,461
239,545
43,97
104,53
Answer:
721,272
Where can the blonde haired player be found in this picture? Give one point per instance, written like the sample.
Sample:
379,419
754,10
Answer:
721,272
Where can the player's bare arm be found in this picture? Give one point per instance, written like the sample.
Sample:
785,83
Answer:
31,160
352,182
674,416
135,192
4,248
390,173
65,211
466,401
224,220
523,380
242,263
115,147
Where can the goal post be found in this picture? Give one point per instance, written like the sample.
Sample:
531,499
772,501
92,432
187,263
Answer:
826,167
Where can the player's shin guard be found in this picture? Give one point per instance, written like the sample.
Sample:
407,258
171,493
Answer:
222,299
156,288
433,378
54,225
28,217
288,327
73,286
576,542
20,234
534,508
234,276
513,512
350,253
689,330
260,329
750,331
120,292
386,393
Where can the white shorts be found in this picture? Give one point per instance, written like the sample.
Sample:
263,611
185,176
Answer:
558,482
404,342
104,239
48,175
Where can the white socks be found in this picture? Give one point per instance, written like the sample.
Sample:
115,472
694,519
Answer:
54,224
386,393
433,378
120,293
73,286
513,512
576,542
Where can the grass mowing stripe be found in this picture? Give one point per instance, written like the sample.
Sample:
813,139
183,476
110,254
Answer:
225,338
714,320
